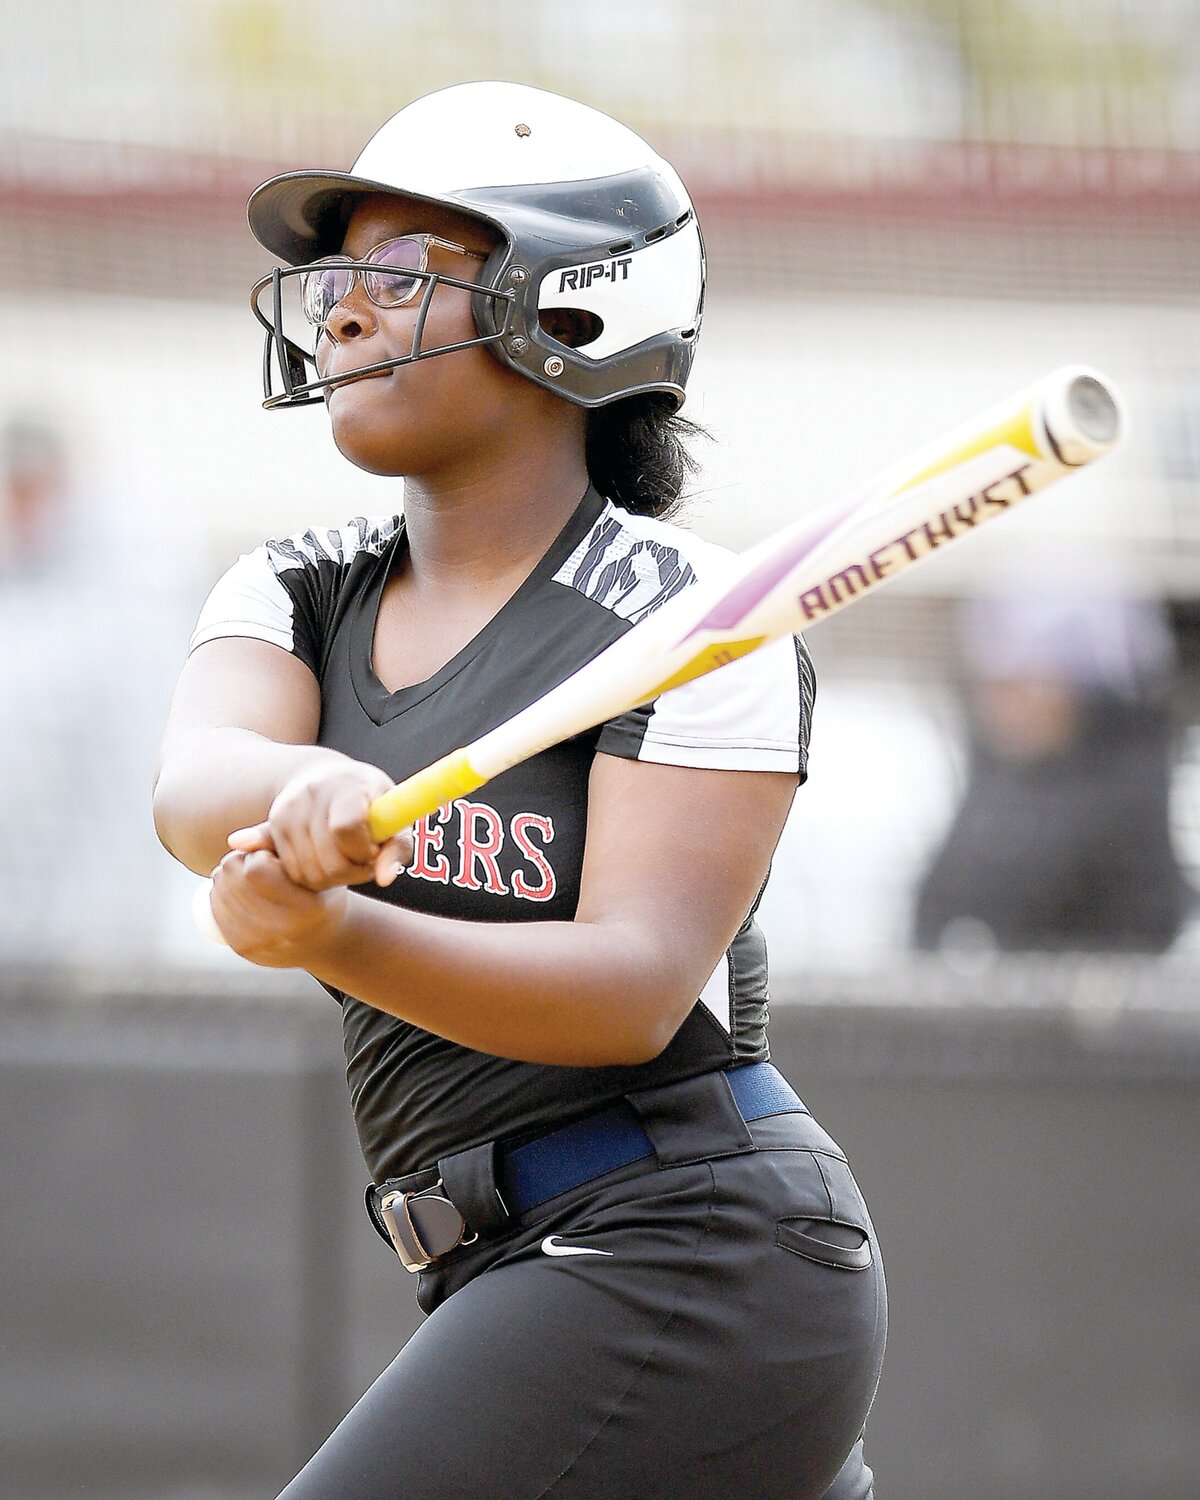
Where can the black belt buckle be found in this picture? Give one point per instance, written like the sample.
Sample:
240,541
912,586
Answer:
423,1226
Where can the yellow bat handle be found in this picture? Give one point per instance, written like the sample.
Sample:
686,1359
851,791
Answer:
426,791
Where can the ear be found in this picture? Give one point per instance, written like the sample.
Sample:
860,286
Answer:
573,326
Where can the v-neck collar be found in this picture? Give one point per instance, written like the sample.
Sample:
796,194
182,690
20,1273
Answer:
381,705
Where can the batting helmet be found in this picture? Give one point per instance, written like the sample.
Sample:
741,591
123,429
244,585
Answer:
586,214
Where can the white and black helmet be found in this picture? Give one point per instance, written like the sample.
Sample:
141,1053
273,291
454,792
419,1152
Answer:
588,217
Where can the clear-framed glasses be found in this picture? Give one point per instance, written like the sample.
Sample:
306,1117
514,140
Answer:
390,273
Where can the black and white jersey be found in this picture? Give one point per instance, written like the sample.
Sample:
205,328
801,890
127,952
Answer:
513,850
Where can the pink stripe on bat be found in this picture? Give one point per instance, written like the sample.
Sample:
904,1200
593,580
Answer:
734,606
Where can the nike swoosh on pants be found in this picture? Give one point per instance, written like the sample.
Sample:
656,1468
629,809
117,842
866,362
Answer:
550,1246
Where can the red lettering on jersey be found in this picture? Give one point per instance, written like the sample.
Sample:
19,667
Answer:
519,827
428,862
479,848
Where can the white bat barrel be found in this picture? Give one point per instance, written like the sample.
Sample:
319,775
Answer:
941,493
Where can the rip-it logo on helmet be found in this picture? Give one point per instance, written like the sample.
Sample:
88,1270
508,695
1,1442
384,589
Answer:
579,278
586,215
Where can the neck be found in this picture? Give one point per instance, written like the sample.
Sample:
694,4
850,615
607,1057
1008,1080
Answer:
483,524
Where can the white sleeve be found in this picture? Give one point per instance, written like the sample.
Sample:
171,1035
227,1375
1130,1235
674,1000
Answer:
753,715
248,600
285,592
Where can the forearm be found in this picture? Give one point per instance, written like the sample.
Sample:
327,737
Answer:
568,993
214,780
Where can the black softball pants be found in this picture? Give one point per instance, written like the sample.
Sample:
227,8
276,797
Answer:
690,1332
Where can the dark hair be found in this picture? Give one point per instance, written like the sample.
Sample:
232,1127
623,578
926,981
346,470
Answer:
637,455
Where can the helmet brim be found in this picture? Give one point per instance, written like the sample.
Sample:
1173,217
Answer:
301,216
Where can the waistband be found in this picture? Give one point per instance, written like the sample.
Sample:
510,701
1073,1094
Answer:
578,1153
426,1214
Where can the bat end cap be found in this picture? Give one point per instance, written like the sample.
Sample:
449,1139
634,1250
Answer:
1094,409
1082,414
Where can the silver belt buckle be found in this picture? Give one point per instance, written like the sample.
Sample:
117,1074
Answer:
423,1226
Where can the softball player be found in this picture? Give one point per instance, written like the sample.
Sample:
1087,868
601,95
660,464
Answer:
648,1271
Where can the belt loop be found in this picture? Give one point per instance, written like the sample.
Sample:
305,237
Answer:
469,1181
692,1120
376,1218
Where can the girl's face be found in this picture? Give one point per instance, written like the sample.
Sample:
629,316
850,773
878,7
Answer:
421,418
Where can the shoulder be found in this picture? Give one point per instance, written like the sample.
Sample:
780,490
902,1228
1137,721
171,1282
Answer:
754,714
336,546
631,565
287,590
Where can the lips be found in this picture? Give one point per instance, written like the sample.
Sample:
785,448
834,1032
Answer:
350,378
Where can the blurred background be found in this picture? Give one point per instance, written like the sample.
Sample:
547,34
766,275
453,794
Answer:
985,913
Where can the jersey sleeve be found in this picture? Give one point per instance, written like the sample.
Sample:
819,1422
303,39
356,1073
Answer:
753,715
285,592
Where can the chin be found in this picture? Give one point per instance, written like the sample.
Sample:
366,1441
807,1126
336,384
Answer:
369,456
366,432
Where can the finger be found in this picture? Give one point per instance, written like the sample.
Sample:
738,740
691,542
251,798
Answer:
305,847
290,822
256,907
243,880
312,860
257,894
349,829
264,878
302,859
235,909
258,836
300,856
394,858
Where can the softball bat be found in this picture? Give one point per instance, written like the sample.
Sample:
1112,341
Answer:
831,558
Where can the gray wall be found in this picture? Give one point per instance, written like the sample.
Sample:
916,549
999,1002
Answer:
191,1293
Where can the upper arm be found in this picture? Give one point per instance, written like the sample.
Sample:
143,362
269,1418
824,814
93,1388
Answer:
676,857
239,683
688,798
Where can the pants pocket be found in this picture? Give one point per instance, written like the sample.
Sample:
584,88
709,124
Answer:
829,1242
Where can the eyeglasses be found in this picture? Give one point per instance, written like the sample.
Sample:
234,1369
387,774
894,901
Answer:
390,274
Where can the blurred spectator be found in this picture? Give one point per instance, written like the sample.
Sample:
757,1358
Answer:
88,617
1062,839
33,490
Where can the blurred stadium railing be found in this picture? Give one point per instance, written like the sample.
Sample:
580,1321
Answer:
913,145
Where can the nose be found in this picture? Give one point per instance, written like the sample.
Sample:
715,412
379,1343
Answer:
353,317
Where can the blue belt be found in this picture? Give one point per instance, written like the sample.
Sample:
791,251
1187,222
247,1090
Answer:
577,1153
425,1216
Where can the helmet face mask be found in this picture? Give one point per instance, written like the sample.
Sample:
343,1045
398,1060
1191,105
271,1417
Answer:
620,244
289,360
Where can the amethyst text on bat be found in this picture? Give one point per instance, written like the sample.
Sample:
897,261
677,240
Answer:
913,545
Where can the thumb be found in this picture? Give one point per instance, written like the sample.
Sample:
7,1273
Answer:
251,840
395,856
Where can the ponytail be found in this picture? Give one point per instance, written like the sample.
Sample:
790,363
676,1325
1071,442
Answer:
637,455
